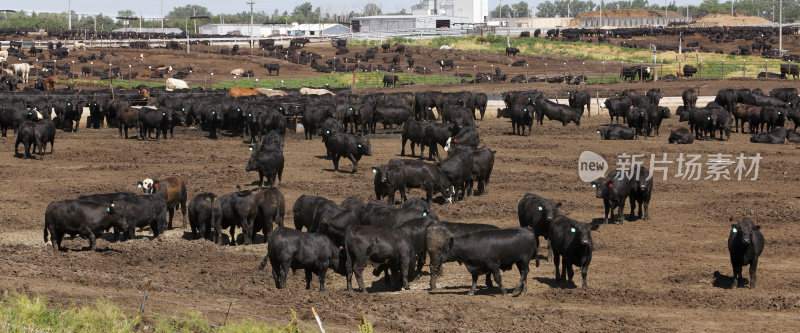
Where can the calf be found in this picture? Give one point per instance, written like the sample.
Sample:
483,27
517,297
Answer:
681,136
77,217
614,189
239,209
268,161
745,244
350,146
138,211
292,249
521,116
537,213
616,132
571,240
378,246
172,189
204,214
489,251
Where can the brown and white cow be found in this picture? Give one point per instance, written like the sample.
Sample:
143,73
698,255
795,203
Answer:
173,189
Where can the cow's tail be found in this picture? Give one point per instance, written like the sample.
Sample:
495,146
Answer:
278,217
264,262
45,233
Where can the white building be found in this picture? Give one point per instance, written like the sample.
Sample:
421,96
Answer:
477,11
404,22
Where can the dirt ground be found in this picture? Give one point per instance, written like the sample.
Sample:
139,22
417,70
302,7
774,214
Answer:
651,275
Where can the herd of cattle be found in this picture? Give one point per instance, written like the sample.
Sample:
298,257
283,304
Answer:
348,236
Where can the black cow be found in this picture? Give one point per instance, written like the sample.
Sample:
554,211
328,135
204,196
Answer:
393,115
571,242
437,240
618,107
614,189
413,131
521,116
239,209
638,119
350,146
689,97
312,118
681,136
701,122
616,132
537,213
380,214
467,136
481,100
273,67
292,249
555,111
512,51
722,122
788,95
159,120
390,80
489,251
444,64
482,165
579,98
205,213
142,210
438,134
792,70
727,98
76,217
772,117
642,190
305,212
775,136
654,117
745,244
27,137
333,220
365,244
268,161
458,169
400,175
461,115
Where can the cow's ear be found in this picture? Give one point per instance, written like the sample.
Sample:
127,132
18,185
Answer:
595,227
558,205
733,226
757,228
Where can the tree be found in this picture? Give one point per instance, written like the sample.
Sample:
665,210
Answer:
372,9
566,8
303,12
187,11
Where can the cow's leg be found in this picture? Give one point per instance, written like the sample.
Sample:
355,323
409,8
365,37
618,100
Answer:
233,235
646,209
621,208
171,211
523,277
355,163
92,240
474,284
499,280
309,277
584,270
359,272
556,260
605,216
737,274
753,266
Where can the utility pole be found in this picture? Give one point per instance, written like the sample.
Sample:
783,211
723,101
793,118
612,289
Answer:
601,13
69,14
251,3
731,7
162,16
780,28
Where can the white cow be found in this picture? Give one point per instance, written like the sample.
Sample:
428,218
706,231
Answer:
4,53
3,59
311,91
79,46
22,70
271,92
237,72
173,84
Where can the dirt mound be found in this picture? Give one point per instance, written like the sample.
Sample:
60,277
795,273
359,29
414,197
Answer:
629,13
725,19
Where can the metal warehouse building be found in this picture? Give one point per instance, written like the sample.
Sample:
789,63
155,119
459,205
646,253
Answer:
401,22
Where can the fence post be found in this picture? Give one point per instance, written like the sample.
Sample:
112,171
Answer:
603,73
765,66
319,321
144,299
700,64
723,69
744,68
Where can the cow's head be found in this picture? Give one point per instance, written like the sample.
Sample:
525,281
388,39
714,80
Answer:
364,147
252,163
582,233
148,186
600,185
743,231
548,208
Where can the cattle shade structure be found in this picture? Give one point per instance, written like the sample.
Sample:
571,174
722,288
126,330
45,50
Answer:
265,30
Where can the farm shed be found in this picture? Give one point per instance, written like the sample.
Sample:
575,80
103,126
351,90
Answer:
404,22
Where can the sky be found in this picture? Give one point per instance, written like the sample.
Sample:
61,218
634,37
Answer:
151,8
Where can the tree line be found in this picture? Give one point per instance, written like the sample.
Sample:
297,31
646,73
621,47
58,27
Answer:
570,8
179,17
